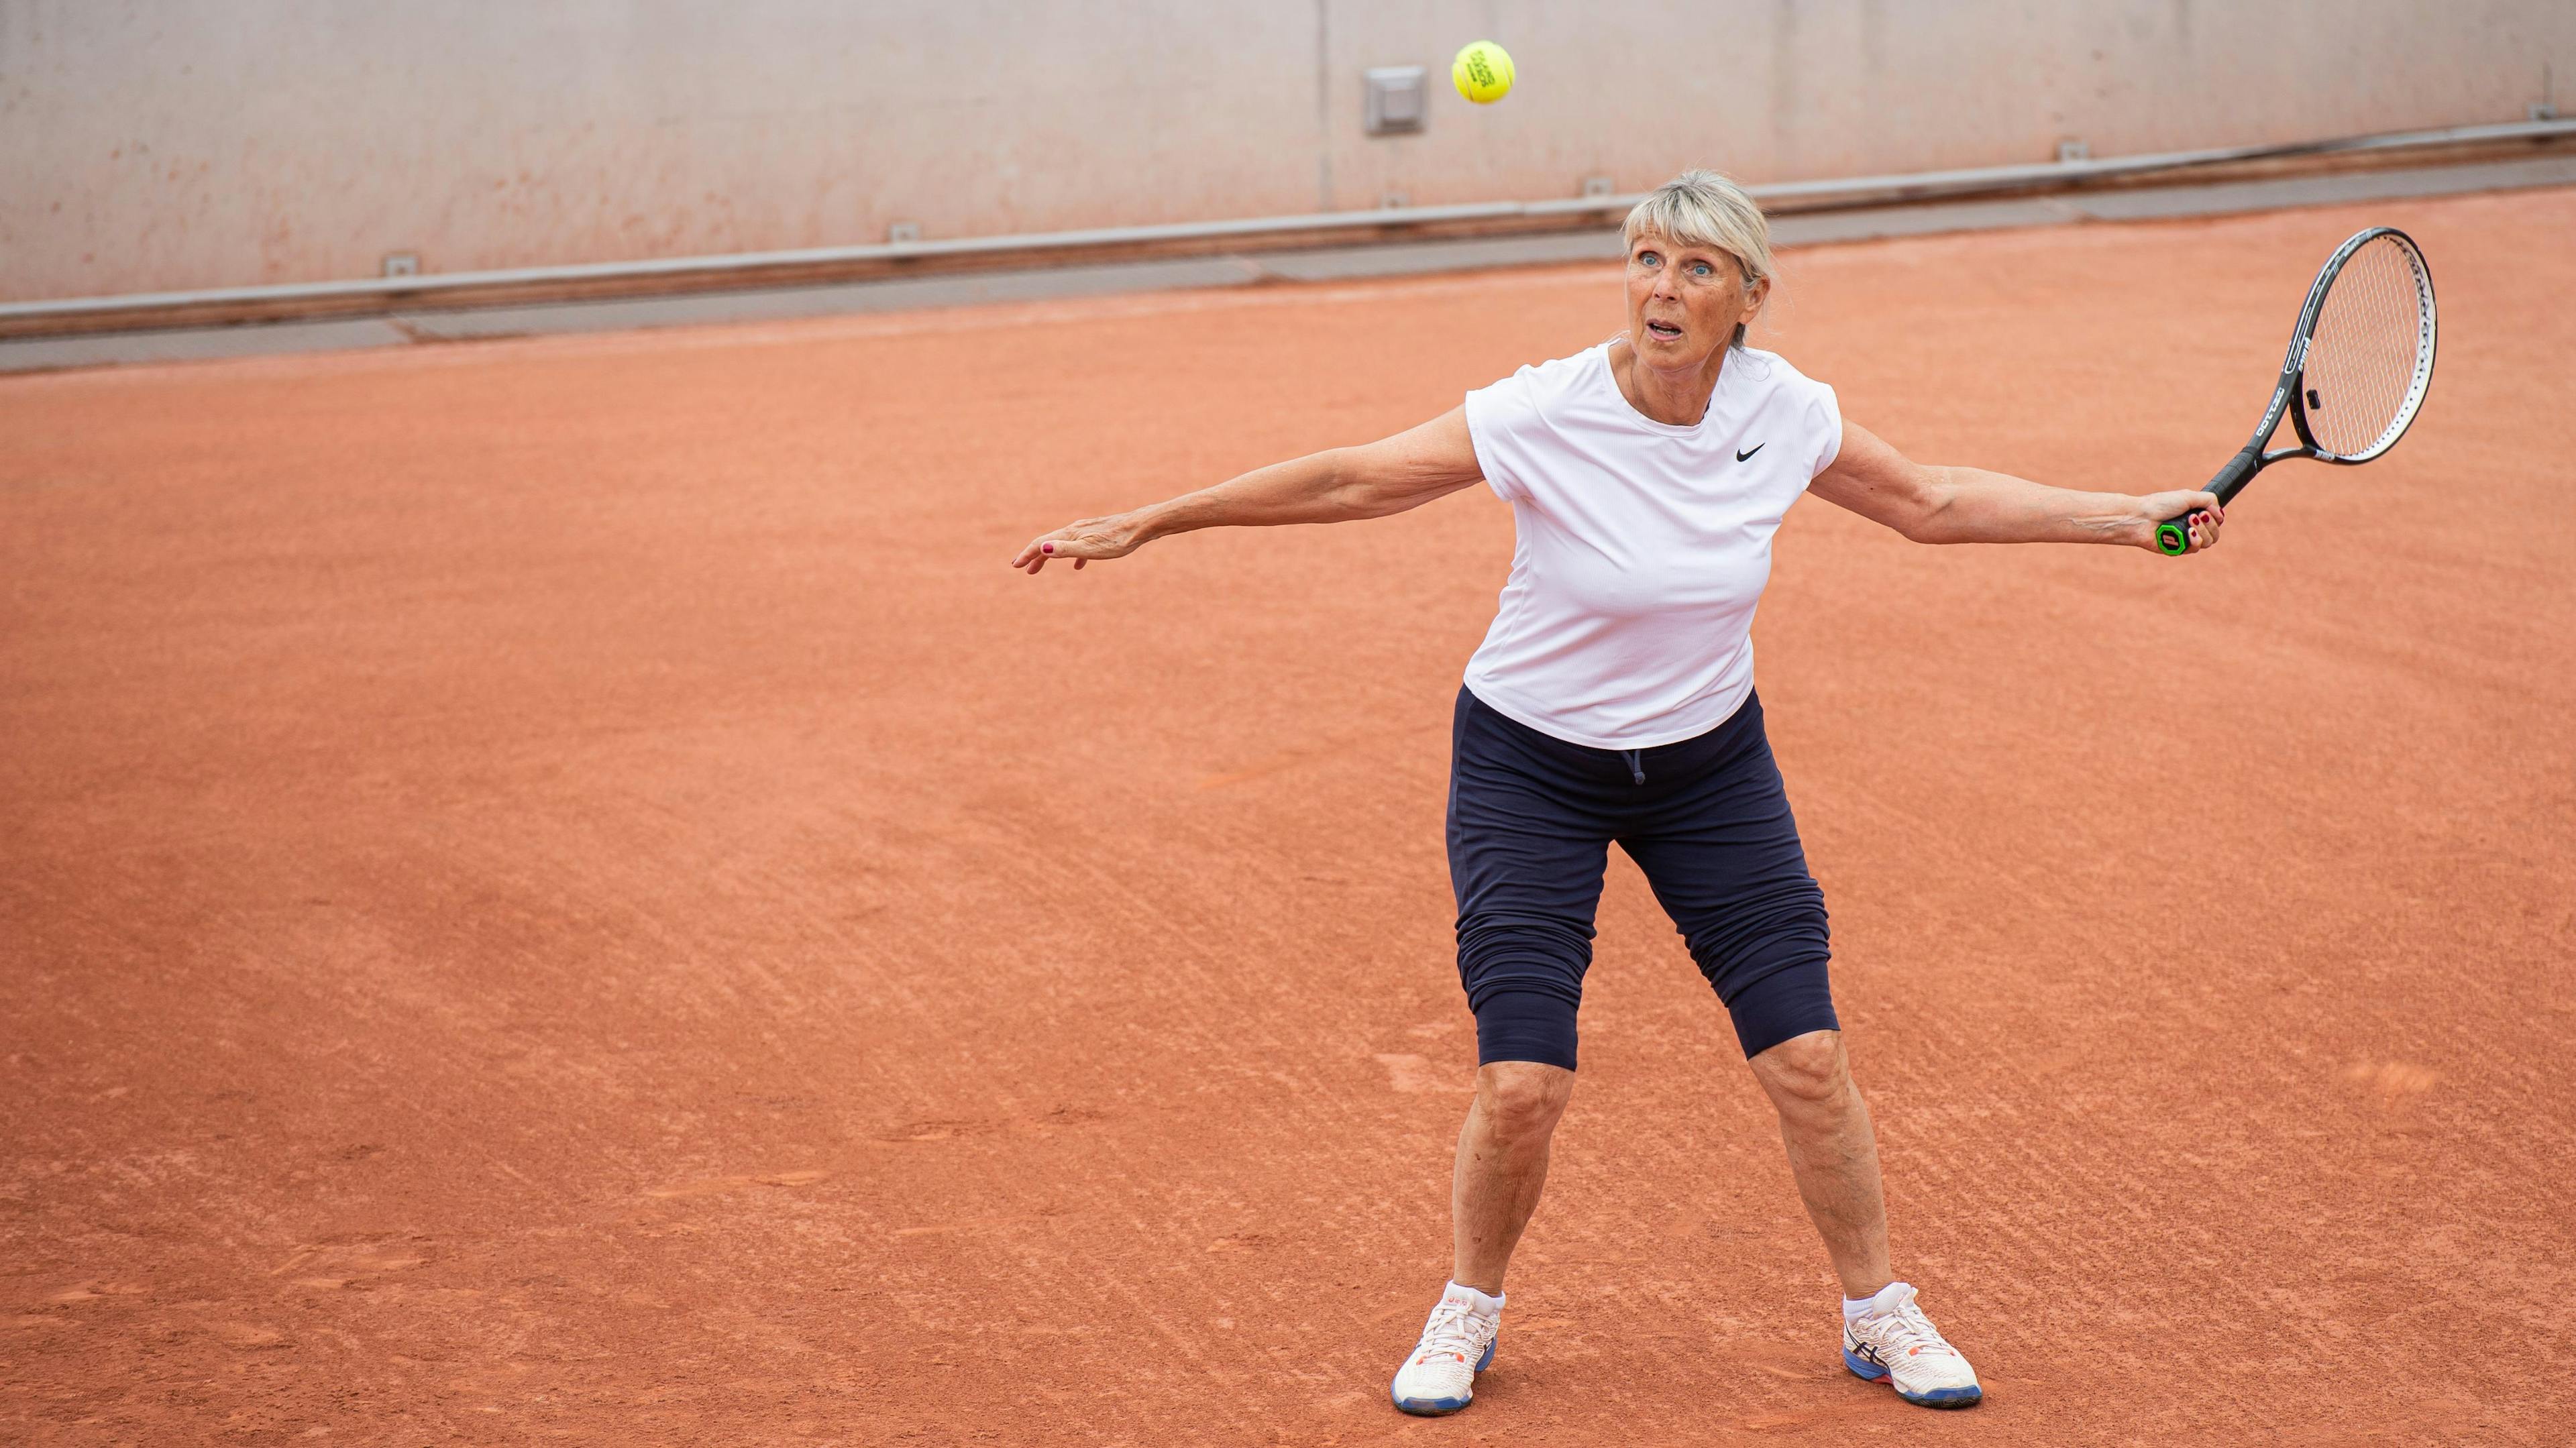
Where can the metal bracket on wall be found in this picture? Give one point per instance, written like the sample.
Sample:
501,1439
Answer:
1395,99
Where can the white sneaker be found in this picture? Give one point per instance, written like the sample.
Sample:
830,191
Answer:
1897,1345
1457,1343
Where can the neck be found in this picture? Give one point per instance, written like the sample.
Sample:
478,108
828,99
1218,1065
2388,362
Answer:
1675,396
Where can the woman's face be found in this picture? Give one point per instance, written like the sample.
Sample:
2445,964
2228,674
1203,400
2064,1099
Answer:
1685,302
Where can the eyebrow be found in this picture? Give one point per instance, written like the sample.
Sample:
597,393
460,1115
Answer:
1683,253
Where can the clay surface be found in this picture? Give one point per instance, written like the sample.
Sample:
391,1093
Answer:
560,890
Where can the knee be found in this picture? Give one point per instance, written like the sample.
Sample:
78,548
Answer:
1522,1098
1808,1070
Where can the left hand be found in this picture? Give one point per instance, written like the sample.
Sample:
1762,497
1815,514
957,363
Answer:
2206,516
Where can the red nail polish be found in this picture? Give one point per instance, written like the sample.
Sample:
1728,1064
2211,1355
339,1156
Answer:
1046,548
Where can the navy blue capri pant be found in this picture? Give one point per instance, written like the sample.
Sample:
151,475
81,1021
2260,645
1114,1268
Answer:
1531,818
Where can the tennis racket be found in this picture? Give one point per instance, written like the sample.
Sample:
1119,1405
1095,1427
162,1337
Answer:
2359,365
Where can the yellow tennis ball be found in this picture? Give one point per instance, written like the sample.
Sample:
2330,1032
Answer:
1482,72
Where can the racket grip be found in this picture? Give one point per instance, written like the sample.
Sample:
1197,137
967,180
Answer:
2173,535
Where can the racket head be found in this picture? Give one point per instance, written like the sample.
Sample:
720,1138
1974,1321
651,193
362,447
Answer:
2366,348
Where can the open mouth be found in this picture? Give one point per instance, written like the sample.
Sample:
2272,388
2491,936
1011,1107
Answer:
1666,330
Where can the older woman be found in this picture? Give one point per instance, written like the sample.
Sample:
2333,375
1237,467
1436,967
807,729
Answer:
1613,700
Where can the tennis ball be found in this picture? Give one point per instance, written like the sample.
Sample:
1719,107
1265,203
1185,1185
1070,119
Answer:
1482,72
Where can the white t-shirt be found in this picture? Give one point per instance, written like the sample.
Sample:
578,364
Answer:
1643,547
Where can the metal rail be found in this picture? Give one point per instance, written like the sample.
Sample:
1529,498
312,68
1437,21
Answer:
1801,195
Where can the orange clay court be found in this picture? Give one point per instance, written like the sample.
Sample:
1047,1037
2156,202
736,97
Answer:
560,890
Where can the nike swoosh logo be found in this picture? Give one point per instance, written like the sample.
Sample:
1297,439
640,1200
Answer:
1757,447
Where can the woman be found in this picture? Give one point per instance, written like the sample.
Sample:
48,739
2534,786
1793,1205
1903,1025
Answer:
1613,700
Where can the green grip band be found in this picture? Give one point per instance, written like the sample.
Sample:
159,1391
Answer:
2173,539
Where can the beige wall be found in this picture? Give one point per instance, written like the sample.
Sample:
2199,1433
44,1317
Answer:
158,144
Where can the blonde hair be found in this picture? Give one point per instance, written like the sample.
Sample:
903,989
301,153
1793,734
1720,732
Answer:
1702,208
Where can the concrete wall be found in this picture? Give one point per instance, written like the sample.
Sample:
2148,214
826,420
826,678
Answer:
155,144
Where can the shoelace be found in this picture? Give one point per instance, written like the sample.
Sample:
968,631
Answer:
1450,1330
1909,1331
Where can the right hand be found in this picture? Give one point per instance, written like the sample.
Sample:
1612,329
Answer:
1114,536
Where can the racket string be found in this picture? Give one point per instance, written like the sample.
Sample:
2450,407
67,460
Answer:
2372,341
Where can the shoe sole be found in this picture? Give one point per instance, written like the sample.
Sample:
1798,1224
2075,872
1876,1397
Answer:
1937,1398
1440,1407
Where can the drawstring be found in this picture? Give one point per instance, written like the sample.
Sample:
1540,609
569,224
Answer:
1636,763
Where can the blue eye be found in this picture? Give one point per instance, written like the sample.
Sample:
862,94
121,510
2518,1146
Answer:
1702,269
1649,258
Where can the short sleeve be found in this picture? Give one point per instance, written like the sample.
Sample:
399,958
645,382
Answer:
1825,418
1498,417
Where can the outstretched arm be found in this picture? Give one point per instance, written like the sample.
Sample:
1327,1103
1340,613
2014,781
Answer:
1969,505
1371,481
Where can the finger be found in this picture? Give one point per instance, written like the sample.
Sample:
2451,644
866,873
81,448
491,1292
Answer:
1077,564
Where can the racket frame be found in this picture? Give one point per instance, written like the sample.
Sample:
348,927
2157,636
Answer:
2173,536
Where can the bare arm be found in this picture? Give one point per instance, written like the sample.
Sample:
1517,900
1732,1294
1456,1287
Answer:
1970,505
1387,476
